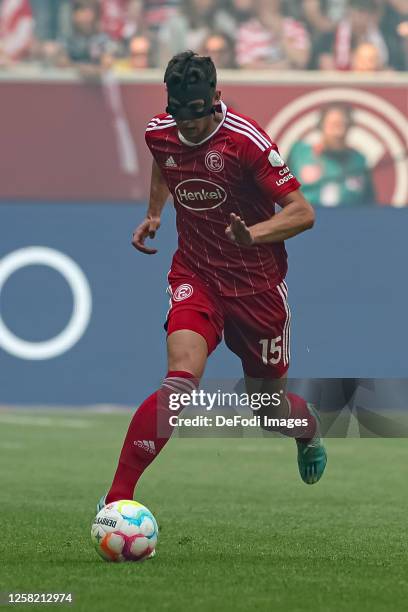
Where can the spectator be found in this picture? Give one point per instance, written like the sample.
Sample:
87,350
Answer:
122,19
239,12
362,35
366,58
402,31
188,29
234,14
331,172
135,18
334,50
324,15
139,55
16,31
51,18
220,48
158,12
272,40
87,46
394,12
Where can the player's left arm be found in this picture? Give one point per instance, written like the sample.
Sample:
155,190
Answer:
276,182
297,216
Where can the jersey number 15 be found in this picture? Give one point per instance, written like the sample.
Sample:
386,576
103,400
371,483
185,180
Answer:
271,350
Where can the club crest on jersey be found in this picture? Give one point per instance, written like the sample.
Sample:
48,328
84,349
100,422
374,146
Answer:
199,194
214,161
182,292
275,159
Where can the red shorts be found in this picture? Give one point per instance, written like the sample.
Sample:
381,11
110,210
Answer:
256,327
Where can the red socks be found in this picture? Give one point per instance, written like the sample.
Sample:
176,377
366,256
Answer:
298,410
148,432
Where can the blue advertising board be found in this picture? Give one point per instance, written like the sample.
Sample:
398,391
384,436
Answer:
81,312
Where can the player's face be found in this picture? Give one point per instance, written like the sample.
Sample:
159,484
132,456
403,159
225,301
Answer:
196,130
192,129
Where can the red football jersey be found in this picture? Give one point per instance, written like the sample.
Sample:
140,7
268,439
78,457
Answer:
236,169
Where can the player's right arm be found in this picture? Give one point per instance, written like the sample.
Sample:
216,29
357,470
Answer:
159,192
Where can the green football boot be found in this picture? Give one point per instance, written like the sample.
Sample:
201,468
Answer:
312,456
101,504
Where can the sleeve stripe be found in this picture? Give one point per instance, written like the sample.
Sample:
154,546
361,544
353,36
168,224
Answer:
160,127
166,118
246,133
156,121
160,121
251,128
255,134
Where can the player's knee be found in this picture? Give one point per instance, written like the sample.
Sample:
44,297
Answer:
187,352
185,361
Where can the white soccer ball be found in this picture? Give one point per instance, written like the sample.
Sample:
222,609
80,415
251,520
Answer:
124,531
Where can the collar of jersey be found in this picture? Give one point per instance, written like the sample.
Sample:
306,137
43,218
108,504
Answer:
197,144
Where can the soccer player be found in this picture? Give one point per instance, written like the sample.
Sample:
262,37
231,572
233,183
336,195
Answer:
227,275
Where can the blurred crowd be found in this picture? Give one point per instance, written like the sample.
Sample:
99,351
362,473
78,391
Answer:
132,35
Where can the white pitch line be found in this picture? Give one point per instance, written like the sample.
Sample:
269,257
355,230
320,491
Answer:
13,419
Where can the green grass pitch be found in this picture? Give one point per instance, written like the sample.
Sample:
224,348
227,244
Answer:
238,529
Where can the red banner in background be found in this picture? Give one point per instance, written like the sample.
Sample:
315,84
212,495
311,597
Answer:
77,141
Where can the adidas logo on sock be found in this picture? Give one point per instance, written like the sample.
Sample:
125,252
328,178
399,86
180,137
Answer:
170,163
147,445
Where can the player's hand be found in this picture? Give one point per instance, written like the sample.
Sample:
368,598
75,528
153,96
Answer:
147,229
238,231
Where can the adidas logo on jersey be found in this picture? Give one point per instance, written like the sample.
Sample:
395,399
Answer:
170,163
146,445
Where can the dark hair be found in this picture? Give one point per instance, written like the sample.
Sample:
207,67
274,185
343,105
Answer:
189,67
346,109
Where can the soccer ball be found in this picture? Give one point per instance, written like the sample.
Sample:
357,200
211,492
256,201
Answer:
124,531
